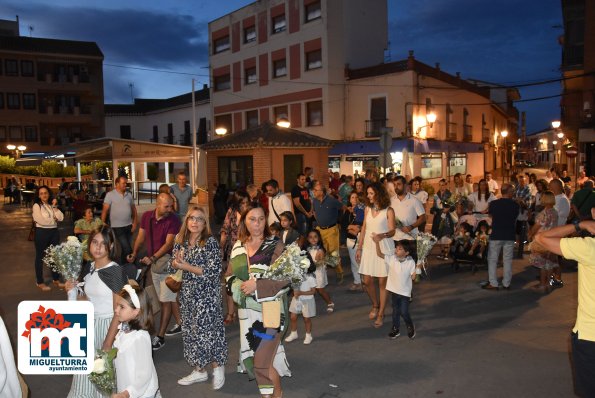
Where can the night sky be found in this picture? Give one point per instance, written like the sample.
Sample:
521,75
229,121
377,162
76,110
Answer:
505,41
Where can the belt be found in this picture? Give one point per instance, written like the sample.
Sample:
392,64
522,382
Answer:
330,226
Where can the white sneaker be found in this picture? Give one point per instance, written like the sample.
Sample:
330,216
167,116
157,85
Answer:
292,336
308,338
218,377
194,377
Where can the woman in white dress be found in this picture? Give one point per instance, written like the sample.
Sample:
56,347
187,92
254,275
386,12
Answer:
481,201
379,218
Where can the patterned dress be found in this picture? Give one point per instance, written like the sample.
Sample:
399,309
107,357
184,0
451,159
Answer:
547,219
203,333
231,228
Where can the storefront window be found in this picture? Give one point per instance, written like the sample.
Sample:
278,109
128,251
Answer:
458,163
431,165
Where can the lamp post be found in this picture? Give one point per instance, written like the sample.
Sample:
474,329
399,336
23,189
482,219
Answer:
18,150
418,136
554,143
283,122
504,134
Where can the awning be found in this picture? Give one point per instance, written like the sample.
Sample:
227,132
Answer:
368,147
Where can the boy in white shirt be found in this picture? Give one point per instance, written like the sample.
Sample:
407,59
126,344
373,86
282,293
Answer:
303,303
401,273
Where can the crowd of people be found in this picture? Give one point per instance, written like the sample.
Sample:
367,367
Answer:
377,219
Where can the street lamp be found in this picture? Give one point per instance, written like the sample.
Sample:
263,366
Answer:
430,119
504,134
554,143
221,130
18,150
283,122
556,124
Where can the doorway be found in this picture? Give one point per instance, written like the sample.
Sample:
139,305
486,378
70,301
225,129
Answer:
292,166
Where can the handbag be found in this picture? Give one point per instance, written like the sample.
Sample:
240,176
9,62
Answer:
31,236
174,281
271,314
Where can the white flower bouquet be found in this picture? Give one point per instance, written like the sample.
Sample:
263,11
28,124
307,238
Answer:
332,259
291,265
425,242
66,259
104,373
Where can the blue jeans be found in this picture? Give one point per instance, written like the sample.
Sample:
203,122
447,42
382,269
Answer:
400,308
507,247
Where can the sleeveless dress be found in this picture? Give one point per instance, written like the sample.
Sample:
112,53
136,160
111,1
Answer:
370,263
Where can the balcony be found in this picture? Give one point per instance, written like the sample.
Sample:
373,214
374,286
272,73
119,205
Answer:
373,128
485,135
451,132
467,133
168,139
185,139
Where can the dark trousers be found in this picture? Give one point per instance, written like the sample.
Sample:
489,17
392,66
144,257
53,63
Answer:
400,309
44,237
521,230
303,223
124,237
583,359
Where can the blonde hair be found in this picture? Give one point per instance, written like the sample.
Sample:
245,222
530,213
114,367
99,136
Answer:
184,234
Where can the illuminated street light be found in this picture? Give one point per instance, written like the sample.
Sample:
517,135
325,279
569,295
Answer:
504,133
221,130
556,124
430,119
18,150
560,135
554,142
283,122
11,147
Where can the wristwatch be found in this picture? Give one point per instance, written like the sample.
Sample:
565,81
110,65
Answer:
577,226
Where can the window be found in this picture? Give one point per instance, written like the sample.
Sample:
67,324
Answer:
431,165
279,68
223,121
314,112
155,134
280,112
170,134
314,60
15,133
221,45
313,11
250,75
125,132
250,34
1,100
11,67
27,68
458,164
252,119
2,133
13,101
278,24
235,172
222,82
29,101
30,133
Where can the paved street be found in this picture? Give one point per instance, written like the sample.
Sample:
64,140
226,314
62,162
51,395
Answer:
470,342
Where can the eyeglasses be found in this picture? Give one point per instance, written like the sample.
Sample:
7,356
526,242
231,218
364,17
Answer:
196,219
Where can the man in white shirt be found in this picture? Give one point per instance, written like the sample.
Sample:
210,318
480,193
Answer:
563,208
409,211
278,201
492,184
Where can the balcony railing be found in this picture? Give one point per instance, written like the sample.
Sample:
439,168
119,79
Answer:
374,127
467,133
451,133
168,139
185,139
485,135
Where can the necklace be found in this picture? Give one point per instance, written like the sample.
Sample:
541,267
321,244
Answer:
375,208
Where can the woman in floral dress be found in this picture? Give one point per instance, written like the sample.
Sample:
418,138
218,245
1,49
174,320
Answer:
540,258
197,253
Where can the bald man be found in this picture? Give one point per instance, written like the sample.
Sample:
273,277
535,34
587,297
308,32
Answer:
158,228
119,205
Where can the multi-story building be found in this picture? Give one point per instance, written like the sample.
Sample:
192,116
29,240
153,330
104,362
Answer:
320,65
51,91
578,88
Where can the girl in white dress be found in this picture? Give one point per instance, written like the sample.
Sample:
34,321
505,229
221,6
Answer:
135,370
379,218
101,286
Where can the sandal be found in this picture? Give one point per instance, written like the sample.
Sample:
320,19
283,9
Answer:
43,287
379,321
229,319
374,313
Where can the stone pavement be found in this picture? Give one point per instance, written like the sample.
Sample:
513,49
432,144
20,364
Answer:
470,342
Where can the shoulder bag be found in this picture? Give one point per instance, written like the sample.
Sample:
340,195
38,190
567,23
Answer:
31,236
160,266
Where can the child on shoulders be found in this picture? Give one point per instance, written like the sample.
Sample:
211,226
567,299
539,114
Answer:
135,371
401,273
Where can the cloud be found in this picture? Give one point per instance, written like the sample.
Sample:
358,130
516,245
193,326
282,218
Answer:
149,38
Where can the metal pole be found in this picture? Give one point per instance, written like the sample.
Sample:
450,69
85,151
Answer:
193,164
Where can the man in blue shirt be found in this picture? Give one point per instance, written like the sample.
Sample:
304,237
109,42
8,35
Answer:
182,193
504,213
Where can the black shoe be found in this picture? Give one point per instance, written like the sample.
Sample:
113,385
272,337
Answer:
505,287
177,329
411,331
394,333
557,283
157,343
490,287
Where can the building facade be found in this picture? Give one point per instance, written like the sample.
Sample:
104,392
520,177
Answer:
51,91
